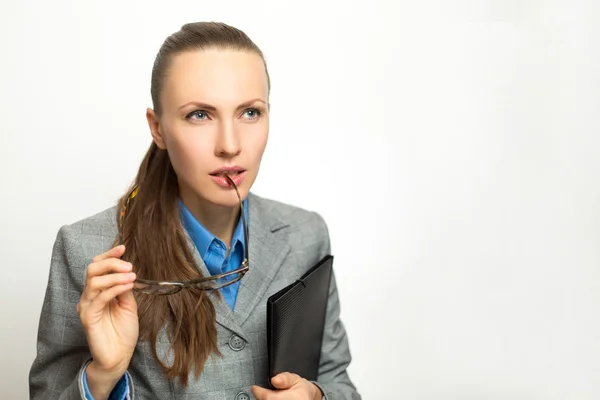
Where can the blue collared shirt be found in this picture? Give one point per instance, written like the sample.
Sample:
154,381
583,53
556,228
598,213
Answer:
213,252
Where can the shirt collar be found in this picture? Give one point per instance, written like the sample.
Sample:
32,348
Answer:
202,238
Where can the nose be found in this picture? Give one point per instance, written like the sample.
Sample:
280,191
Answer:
227,143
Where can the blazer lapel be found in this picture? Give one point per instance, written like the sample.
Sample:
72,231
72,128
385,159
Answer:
267,250
268,247
224,314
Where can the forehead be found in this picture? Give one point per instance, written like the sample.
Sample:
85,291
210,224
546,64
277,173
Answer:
215,76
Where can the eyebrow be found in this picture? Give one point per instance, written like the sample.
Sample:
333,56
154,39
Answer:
208,107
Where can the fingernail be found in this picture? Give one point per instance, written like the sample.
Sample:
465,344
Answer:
131,275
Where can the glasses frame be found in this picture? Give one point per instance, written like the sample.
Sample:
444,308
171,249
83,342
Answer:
174,286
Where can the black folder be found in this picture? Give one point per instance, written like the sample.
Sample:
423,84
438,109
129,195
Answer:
296,321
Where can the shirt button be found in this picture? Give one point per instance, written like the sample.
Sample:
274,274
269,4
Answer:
236,343
242,396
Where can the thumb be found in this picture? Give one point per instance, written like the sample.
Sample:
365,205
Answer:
127,301
285,380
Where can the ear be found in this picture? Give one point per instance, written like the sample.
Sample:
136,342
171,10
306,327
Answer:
155,129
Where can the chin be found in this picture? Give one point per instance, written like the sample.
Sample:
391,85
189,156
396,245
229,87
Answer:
212,193
226,198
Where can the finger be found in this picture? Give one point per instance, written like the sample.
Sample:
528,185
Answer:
285,380
103,298
114,252
97,284
261,393
106,266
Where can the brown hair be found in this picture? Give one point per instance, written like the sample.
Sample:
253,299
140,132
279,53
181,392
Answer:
154,236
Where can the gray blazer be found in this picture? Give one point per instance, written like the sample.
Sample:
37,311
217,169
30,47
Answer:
284,242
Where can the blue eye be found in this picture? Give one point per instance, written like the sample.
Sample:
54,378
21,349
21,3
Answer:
197,115
252,113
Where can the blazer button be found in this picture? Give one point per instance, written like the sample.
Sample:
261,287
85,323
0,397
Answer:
236,343
242,396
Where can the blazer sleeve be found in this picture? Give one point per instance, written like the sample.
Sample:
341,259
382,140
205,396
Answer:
333,379
62,350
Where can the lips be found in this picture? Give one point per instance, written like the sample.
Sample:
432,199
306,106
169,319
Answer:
231,171
236,176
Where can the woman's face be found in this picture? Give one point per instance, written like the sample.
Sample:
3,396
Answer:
214,119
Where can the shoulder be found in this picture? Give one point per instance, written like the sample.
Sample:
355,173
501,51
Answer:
91,235
103,223
300,224
289,214
77,244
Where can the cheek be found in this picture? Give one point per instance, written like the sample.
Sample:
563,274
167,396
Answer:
256,146
187,153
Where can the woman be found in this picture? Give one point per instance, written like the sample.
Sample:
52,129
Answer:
107,331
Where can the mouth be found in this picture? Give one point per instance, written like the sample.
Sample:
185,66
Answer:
235,174
223,174
231,171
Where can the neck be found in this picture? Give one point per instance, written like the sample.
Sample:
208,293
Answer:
221,221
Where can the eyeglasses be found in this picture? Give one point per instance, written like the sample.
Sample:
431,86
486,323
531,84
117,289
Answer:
213,282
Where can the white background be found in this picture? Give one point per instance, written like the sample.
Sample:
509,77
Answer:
452,147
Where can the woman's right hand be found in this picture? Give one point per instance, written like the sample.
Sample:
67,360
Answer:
108,313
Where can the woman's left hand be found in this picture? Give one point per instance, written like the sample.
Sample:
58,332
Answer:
290,386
